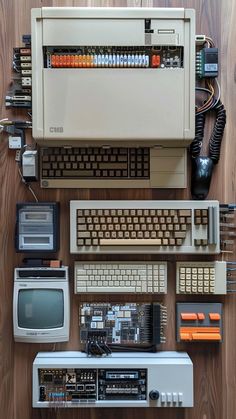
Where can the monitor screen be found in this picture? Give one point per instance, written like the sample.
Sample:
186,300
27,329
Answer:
40,308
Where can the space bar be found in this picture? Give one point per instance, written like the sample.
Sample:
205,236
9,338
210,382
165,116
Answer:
77,173
130,242
111,289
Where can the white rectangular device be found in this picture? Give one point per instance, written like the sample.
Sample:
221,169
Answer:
105,76
41,305
71,379
116,227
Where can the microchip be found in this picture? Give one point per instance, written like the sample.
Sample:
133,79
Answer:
207,63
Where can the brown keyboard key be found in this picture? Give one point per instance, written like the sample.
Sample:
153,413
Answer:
184,213
77,173
179,234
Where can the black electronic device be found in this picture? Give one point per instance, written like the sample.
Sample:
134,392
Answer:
202,168
207,63
37,227
114,326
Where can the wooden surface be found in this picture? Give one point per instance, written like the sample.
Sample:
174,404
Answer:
214,365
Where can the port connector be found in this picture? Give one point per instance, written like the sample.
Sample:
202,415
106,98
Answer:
70,387
26,81
26,58
200,39
89,387
25,65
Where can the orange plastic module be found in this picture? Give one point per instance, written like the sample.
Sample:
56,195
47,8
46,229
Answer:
214,316
188,316
200,333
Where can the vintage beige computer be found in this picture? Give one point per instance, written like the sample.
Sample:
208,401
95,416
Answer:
113,95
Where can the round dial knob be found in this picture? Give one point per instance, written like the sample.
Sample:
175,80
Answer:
154,394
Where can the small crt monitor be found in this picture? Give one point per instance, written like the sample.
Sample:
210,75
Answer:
41,305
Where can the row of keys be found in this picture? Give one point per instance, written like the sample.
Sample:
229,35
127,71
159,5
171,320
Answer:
88,158
200,316
136,212
171,398
112,61
155,223
105,60
90,172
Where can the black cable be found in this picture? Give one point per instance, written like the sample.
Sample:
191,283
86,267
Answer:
217,133
132,348
94,348
105,347
216,136
196,145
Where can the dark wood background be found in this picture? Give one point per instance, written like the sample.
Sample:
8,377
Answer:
214,365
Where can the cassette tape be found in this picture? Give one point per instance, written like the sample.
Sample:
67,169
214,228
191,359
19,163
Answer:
37,227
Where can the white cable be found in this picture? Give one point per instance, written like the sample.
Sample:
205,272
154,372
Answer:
219,92
27,185
2,126
4,119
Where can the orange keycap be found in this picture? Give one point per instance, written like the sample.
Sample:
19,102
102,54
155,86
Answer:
88,61
201,316
68,61
76,61
55,264
185,336
188,316
206,336
84,62
80,61
64,61
214,316
72,60
192,329
155,60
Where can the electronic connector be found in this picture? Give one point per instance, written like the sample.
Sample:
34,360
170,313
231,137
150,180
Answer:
207,63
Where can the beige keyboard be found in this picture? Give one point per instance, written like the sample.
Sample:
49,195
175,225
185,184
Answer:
201,277
121,277
112,167
144,227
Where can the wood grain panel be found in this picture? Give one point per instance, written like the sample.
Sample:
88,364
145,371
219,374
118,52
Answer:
214,366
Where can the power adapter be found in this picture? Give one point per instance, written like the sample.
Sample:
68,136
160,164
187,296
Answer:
30,165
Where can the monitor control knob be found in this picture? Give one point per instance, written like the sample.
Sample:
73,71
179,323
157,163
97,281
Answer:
154,394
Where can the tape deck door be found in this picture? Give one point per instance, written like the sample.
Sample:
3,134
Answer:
37,227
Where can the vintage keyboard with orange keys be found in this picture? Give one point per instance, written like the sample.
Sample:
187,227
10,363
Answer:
199,322
115,227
